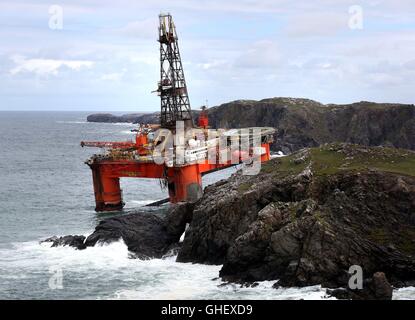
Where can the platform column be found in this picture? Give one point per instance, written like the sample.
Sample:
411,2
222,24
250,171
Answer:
108,194
185,183
267,155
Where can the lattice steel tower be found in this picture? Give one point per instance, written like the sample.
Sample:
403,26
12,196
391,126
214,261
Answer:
172,87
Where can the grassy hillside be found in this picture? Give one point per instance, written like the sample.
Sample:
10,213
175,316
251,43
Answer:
334,158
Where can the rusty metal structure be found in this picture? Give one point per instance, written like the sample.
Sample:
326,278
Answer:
178,158
175,105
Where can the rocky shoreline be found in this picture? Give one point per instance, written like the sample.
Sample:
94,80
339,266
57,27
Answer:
304,220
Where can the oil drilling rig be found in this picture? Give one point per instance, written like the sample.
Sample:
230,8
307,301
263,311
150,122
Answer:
176,151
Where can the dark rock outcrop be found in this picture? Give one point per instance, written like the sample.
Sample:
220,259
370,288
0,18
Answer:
178,217
304,123
306,218
110,118
71,241
146,235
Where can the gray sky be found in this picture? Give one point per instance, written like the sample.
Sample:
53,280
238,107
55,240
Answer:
104,54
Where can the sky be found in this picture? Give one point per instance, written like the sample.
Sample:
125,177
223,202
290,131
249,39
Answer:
102,55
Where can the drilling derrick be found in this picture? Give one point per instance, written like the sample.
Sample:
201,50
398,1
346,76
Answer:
182,165
175,105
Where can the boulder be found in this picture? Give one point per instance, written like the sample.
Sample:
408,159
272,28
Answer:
147,235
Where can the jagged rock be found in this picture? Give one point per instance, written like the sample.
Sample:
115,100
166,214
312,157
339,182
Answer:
309,229
72,241
178,217
304,123
146,235
375,288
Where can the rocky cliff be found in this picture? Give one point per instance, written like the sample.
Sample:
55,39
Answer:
307,218
305,123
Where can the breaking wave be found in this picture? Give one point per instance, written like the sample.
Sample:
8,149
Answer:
109,272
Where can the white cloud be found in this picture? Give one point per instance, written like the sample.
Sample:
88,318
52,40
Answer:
384,79
213,64
263,53
230,49
146,28
46,66
317,24
114,77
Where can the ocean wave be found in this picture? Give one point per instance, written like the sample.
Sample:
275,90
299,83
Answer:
133,278
182,286
127,278
30,256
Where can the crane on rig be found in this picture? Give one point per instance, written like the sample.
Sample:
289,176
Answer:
177,152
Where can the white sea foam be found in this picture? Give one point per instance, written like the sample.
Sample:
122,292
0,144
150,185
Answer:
130,204
127,132
137,279
407,293
202,287
278,154
86,271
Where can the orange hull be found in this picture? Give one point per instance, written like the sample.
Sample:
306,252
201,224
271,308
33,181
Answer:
184,182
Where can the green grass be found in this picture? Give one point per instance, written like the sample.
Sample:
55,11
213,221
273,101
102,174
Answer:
283,167
327,160
244,186
333,158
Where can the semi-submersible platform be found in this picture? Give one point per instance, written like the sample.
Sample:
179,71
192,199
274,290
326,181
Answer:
176,151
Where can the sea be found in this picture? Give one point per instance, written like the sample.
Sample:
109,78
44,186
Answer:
46,190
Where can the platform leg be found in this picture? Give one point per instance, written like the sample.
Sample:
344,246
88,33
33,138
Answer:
267,155
108,194
185,184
